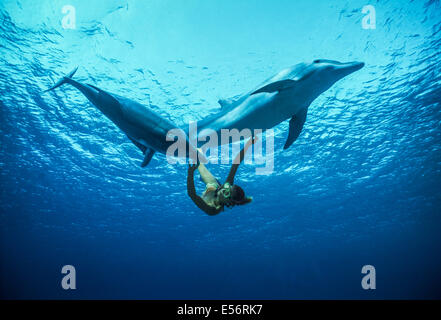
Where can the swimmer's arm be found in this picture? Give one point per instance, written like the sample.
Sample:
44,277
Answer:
238,160
191,191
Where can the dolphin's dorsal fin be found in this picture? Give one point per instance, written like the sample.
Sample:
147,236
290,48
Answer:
276,86
224,103
295,127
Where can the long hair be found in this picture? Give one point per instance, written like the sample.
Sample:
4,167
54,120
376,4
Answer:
238,196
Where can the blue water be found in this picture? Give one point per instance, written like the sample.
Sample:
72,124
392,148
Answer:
360,186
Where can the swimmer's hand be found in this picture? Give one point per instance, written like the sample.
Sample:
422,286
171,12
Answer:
250,142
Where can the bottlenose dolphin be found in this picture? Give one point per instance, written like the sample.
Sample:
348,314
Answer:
286,95
145,128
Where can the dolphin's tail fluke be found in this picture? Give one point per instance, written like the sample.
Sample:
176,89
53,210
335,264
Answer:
63,80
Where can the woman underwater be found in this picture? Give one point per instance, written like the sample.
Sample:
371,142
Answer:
217,196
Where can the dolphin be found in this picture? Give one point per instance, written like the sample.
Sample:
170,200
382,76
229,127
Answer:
286,95
145,128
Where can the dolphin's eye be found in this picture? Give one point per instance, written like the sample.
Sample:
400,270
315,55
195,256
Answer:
317,61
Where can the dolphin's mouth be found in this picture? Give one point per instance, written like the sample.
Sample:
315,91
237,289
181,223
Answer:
353,66
349,67
357,65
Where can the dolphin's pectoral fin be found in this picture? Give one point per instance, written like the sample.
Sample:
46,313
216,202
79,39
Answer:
148,156
277,86
295,127
148,152
141,147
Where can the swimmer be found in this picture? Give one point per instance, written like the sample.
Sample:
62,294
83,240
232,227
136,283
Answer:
217,196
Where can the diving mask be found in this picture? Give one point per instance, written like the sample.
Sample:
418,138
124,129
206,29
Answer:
226,191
